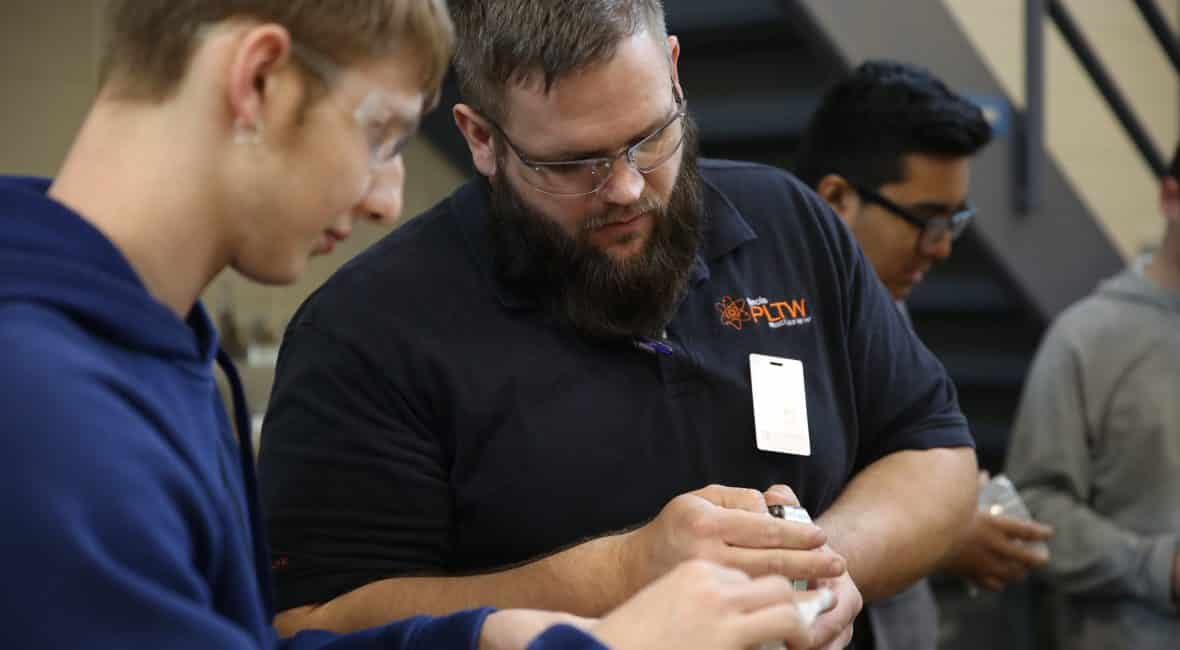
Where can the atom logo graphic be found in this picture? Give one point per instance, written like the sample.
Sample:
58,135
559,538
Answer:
734,312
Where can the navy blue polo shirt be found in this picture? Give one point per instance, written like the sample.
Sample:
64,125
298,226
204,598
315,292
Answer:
427,420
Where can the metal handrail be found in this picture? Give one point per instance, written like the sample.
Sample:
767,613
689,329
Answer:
1114,97
1159,27
1032,123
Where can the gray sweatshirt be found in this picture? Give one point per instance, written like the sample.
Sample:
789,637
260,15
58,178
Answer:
1095,451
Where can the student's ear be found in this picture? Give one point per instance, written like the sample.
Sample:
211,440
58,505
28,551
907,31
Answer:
1170,200
251,90
674,60
477,131
838,193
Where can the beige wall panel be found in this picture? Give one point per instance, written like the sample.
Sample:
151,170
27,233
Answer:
1081,132
48,73
38,121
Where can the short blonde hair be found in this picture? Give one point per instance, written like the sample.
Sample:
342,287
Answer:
151,41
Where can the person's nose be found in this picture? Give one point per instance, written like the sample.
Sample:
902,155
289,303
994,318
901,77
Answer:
382,201
939,249
625,184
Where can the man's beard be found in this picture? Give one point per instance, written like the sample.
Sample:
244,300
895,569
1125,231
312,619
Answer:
584,286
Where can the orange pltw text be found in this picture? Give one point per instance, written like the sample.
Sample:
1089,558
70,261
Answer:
774,312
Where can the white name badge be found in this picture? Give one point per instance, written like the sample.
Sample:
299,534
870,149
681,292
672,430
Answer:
780,405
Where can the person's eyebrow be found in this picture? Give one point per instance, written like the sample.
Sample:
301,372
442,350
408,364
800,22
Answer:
391,110
574,155
405,114
934,208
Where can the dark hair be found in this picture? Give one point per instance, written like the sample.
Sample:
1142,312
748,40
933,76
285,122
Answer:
150,42
1174,168
880,112
517,41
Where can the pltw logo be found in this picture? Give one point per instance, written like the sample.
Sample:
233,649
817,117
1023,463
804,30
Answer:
738,312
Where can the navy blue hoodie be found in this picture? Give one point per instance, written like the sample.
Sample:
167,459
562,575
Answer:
129,513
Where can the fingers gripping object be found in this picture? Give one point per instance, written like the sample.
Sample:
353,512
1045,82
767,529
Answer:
1000,497
792,513
809,609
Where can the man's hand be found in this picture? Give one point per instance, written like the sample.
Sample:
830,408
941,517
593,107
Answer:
833,630
729,526
994,553
703,606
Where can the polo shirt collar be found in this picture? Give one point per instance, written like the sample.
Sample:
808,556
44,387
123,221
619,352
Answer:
725,229
469,207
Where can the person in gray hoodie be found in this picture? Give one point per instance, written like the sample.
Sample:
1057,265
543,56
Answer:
1095,451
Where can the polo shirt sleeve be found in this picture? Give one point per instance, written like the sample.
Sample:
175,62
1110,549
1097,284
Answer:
904,397
353,483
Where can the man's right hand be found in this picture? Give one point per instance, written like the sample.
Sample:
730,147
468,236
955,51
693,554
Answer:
994,553
731,527
703,606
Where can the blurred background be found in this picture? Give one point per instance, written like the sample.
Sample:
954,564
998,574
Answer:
1083,96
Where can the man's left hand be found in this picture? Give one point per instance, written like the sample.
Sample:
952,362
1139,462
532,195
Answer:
833,629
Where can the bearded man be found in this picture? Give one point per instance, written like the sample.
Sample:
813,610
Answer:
599,359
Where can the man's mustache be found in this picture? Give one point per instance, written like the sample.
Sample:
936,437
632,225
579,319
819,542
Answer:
625,213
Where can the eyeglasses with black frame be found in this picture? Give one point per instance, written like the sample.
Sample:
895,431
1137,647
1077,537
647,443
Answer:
586,176
932,230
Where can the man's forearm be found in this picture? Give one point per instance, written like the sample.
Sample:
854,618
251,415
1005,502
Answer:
585,579
898,517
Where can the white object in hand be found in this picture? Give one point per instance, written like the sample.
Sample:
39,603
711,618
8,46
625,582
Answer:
809,610
999,497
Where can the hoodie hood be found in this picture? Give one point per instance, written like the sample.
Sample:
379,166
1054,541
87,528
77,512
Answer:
1132,286
49,255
